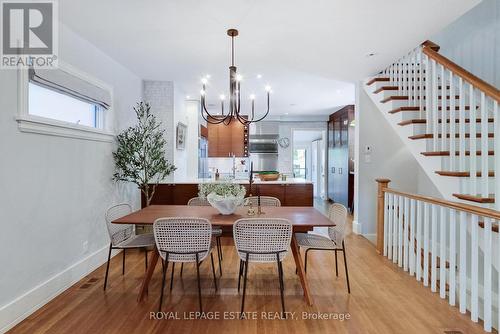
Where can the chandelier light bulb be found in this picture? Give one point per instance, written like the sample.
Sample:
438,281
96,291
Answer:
259,76
202,92
204,81
207,76
239,77
252,96
268,88
222,97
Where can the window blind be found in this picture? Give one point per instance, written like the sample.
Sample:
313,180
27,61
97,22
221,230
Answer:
66,83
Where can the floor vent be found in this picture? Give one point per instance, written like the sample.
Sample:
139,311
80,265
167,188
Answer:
85,286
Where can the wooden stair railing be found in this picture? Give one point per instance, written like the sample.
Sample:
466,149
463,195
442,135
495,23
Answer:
433,239
453,110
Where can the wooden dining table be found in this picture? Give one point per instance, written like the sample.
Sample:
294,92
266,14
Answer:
303,219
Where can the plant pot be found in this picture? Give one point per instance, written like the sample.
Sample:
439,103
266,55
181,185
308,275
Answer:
226,205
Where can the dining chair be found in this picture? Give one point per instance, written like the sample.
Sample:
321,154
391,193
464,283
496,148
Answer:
262,240
264,201
123,236
333,242
184,240
216,230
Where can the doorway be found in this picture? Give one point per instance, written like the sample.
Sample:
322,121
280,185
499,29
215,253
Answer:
308,158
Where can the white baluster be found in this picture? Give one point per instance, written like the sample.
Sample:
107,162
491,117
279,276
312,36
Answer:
474,269
443,110
473,140
420,222
426,244
434,107
428,100
462,269
461,124
421,90
390,226
453,131
487,274
434,238
453,254
400,231
395,230
386,221
496,135
411,76
442,253
484,148
400,78
406,233
412,237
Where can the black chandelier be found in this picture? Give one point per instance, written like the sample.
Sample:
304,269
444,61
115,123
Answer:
234,97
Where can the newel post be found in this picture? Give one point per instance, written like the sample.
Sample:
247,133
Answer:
382,185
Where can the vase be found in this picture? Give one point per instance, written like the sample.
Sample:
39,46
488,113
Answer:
226,205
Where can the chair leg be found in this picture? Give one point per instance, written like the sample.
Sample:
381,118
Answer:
220,247
182,268
305,260
244,286
345,265
336,265
172,276
146,258
123,262
164,272
219,254
199,284
239,275
107,266
280,275
213,270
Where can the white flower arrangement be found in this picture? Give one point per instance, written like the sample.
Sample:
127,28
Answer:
224,196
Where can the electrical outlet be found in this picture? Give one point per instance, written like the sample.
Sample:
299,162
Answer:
85,246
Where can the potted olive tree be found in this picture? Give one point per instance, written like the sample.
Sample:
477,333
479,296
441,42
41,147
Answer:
140,155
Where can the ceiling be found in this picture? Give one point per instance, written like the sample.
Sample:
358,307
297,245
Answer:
310,52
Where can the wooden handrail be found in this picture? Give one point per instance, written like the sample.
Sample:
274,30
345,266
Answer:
429,49
476,210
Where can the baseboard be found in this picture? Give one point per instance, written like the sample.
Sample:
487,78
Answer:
356,227
371,237
21,307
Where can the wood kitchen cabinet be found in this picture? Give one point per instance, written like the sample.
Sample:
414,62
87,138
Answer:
289,194
227,140
341,157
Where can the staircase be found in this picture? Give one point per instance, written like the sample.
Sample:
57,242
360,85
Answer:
448,118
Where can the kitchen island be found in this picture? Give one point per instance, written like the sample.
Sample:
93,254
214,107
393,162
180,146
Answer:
292,192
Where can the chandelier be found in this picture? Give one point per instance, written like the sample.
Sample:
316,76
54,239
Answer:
234,111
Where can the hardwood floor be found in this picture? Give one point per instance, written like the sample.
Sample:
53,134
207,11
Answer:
384,299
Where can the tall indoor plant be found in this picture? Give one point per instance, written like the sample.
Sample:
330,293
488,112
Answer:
140,156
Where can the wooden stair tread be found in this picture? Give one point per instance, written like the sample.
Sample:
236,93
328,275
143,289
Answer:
423,121
457,136
463,174
394,111
494,227
476,199
447,153
384,88
405,97
372,81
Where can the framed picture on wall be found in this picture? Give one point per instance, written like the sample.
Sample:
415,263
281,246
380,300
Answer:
181,136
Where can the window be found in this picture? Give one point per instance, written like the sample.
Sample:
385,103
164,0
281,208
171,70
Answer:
48,103
299,163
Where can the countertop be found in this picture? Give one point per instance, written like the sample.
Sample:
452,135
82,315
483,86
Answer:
256,181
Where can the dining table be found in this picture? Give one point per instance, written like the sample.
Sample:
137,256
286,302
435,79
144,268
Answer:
303,219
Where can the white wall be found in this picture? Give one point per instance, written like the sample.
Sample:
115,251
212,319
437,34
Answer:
473,41
55,191
389,159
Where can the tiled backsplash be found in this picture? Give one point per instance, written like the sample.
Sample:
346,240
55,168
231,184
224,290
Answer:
225,166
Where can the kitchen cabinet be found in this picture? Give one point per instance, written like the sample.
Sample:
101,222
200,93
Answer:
290,194
227,140
340,157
